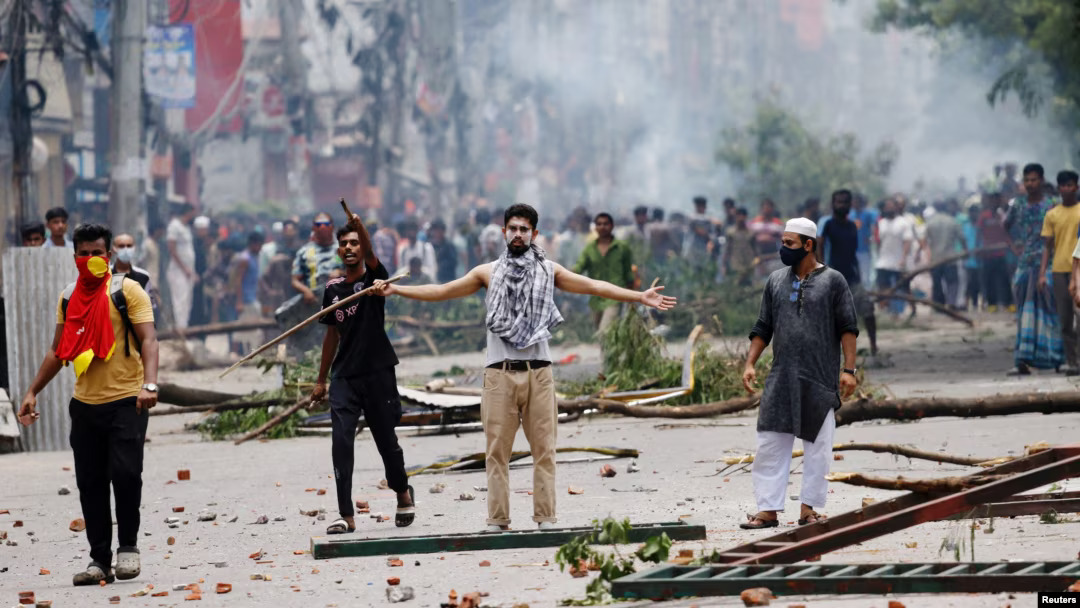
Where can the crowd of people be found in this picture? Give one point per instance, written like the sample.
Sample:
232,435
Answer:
1006,245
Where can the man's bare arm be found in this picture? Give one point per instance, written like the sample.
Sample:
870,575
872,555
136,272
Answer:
329,351
50,366
576,283
458,288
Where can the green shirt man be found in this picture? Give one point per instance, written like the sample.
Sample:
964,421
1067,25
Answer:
606,259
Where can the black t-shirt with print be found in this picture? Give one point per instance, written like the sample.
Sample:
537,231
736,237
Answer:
363,346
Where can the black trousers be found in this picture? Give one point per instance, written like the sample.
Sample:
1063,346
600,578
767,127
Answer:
945,282
973,287
997,282
374,396
107,442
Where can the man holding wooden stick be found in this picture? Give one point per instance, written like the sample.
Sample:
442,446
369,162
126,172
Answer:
519,389
363,378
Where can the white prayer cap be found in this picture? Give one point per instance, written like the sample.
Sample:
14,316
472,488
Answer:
201,222
803,226
277,227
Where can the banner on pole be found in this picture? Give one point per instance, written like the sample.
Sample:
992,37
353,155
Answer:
169,65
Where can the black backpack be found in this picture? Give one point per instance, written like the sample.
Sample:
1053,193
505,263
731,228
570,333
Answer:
116,294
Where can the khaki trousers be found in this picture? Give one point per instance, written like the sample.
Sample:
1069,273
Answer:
513,399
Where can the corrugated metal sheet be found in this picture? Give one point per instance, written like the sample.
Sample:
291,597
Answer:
34,277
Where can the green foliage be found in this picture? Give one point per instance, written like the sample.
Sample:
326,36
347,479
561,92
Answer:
777,156
1034,44
579,553
235,422
633,357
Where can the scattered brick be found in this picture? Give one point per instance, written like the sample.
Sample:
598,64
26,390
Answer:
183,475
394,562
607,471
321,492
44,572
171,540
159,594
223,588
895,604
573,490
393,580
178,509
760,596
485,564
18,524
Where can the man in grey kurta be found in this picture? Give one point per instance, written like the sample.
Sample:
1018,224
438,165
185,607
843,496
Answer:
808,315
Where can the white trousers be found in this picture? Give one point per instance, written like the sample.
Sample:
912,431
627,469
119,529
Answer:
772,464
181,288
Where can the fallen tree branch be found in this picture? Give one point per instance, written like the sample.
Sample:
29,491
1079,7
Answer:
186,396
907,297
941,484
239,404
970,407
276,420
217,328
476,461
703,410
887,448
906,278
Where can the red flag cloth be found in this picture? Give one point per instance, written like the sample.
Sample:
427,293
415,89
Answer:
88,330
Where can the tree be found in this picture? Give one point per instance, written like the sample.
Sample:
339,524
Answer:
779,157
1036,43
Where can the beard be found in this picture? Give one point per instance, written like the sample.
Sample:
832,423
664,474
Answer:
517,248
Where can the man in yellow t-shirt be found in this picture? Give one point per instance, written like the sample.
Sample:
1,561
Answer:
113,392
1059,233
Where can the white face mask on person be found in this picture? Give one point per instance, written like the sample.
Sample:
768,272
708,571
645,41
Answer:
125,254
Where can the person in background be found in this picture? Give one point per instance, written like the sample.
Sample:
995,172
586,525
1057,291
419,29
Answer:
56,219
839,243
701,211
730,212
943,237
995,264
244,283
767,229
150,252
895,235
181,270
739,253
416,273
811,209
285,242
1059,234
865,219
446,255
317,261
491,240
412,247
384,239
971,263
606,259
1038,335
33,234
123,262
204,242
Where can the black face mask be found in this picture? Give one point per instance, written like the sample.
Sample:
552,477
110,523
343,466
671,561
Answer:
842,211
791,257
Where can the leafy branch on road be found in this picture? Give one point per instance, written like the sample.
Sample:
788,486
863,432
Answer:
580,556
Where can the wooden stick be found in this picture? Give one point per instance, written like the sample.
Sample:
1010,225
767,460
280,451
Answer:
886,448
883,295
308,321
965,407
276,420
905,279
942,484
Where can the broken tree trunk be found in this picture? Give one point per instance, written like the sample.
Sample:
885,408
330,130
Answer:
974,407
884,295
186,396
905,279
217,328
276,420
239,404
941,484
703,410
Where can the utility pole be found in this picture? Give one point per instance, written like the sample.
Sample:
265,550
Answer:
294,88
22,134
126,157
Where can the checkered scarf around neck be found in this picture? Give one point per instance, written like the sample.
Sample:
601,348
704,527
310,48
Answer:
521,299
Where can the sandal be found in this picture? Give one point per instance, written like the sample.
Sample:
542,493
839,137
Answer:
406,515
813,518
93,575
340,526
765,523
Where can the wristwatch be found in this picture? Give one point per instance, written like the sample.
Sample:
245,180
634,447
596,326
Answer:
850,371
150,387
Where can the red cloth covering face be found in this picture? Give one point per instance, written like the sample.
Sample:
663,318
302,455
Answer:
88,330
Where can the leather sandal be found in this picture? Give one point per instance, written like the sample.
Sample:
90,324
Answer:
763,523
406,515
339,526
813,518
